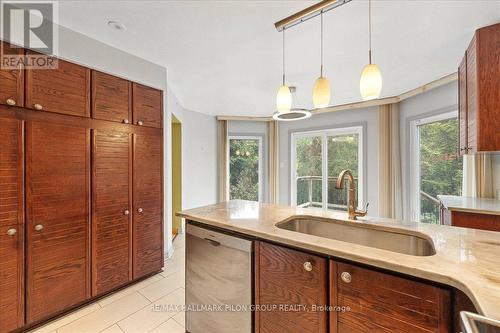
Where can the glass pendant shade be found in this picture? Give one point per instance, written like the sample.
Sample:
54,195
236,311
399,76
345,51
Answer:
321,93
284,99
370,84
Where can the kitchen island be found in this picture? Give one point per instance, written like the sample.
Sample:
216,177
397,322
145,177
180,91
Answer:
464,259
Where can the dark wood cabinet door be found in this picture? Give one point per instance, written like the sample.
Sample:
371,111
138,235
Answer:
64,90
288,277
471,79
475,220
385,303
148,106
111,205
148,205
58,218
111,98
11,225
11,80
462,106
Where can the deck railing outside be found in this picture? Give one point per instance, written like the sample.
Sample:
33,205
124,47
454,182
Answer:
309,192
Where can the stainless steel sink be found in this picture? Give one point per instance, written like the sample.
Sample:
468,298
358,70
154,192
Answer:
362,234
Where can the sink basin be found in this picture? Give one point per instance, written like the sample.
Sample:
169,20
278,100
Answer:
362,234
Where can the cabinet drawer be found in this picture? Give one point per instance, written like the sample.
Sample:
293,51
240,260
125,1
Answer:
64,90
381,302
111,98
283,278
148,106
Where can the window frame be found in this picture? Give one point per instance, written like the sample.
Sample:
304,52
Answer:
414,149
324,134
259,171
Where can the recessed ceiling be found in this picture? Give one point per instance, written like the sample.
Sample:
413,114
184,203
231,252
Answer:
224,57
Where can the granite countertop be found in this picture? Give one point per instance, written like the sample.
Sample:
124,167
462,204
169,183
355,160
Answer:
469,204
467,259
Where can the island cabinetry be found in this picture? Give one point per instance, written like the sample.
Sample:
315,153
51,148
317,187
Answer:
290,278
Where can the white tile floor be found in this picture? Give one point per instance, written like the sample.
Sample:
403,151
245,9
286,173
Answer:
148,306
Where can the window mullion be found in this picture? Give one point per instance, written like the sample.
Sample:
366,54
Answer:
324,165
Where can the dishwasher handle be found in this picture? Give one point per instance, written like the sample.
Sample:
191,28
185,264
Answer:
212,242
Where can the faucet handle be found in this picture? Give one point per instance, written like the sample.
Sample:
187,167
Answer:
362,213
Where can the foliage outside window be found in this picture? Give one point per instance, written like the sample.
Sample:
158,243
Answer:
244,173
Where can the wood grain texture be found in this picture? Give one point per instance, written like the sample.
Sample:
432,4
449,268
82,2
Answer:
381,302
64,90
111,227
57,197
472,97
12,80
111,97
487,57
462,106
282,280
11,217
147,105
476,221
148,196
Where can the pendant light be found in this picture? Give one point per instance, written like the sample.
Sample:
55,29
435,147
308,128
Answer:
284,100
321,89
370,84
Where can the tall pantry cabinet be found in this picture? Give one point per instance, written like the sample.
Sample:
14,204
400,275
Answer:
81,189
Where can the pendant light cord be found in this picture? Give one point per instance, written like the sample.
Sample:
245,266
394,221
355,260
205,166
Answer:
283,60
321,72
370,31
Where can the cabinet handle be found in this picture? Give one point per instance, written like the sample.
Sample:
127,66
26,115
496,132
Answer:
11,102
346,277
139,122
38,107
308,266
125,121
38,227
126,212
140,210
11,232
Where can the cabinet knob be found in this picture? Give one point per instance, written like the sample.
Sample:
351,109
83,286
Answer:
125,121
346,277
139,122
38,227
140,210
11,232
126,212
11,102
38,107
308,266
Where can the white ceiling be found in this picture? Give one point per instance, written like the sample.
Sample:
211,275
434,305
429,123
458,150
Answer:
224,57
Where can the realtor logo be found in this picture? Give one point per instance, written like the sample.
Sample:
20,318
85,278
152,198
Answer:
29,25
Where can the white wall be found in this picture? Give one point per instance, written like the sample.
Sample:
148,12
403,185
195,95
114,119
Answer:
257,128
368,117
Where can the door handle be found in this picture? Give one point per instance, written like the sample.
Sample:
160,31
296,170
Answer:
212,242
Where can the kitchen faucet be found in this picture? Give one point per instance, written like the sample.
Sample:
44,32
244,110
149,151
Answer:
351,195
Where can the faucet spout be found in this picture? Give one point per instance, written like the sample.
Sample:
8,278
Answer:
351,194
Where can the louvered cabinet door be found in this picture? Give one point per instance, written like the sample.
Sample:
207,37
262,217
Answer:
11,225
111,205
11,79
111,98
58,218
147,106
148,205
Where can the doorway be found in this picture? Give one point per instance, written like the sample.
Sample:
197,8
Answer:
176,175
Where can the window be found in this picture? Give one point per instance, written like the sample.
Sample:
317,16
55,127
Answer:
436,165
317,159
245,168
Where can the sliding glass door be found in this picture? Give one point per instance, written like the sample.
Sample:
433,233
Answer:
317,159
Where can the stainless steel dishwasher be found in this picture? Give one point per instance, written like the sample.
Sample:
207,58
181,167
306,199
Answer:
218,282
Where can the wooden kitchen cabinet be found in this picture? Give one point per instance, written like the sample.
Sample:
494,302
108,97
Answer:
147,204
11,80
382,303
111,206
147,106
58,218
479,92
11,225
285,276
470,220
64,90
111,98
